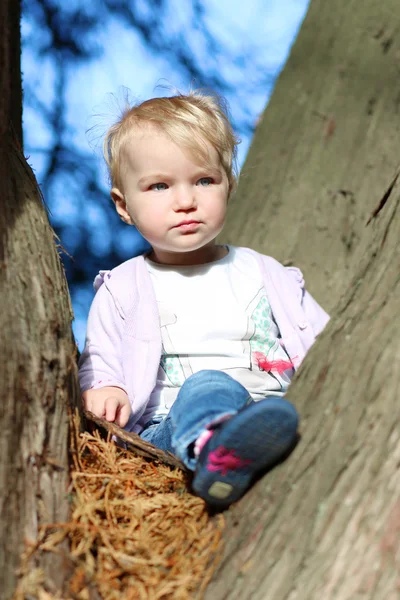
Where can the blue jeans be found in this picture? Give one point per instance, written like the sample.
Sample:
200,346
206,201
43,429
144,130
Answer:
205,397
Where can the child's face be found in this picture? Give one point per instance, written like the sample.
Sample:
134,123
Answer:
178,205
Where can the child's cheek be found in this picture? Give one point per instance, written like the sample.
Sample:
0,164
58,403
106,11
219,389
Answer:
153,218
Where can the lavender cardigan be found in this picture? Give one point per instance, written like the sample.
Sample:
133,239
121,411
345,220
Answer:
123,343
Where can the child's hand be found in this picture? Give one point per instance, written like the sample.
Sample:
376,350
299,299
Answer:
110,403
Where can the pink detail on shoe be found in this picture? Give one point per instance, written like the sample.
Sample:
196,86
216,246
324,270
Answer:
224,460
280,366
201,441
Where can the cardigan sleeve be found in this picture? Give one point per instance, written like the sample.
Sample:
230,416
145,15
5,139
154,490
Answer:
100,364
314,313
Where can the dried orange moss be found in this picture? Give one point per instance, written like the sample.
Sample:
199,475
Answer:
135,531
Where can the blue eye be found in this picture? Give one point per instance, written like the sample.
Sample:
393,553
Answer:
158,187
205,181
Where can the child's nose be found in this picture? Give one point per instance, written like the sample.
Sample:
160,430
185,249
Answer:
185,198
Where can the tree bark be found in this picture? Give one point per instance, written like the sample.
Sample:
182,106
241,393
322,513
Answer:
327,144
326,523
37,354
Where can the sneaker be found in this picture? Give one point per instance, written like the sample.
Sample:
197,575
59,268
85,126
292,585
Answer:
251,441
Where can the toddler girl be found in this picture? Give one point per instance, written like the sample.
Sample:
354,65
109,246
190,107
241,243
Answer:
194,344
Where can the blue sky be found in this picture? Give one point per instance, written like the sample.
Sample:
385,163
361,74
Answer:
266,27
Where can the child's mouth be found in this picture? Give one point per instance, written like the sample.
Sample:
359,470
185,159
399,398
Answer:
188,225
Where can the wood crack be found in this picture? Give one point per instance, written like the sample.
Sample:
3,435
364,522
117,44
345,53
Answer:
384,199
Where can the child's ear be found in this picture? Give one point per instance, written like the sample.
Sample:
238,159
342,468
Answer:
120,205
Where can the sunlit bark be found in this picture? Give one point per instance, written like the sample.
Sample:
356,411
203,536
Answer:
37,367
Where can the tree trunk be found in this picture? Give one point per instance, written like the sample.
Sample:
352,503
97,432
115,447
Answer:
327,144
38,373
326,523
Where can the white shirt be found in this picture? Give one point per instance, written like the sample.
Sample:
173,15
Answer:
217,316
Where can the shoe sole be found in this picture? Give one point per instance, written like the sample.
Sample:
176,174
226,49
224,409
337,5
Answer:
261,433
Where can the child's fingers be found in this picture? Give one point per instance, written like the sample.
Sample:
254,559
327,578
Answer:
110,408
97,408
123,415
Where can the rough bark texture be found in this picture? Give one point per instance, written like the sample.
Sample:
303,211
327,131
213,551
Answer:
327,144
37,367
326,523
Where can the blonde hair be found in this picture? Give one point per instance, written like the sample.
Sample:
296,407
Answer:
189,120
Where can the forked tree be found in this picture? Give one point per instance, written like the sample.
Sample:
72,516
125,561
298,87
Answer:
315,191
